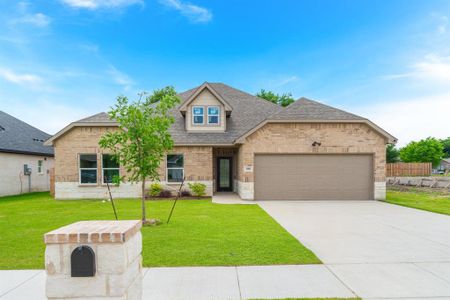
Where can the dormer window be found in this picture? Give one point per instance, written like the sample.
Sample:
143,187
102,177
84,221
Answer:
213,115
198,115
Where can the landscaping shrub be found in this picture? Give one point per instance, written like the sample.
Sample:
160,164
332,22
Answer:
165,194
185,193
198,189
155,189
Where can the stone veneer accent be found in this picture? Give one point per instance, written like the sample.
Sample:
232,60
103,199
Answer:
117,246
297,138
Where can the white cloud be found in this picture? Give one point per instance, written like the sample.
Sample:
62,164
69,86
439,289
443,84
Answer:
120,77
37,19
194,13
411,119
442,23
431,67
96,4
17,78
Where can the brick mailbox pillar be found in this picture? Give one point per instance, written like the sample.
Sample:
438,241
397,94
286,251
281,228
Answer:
94,259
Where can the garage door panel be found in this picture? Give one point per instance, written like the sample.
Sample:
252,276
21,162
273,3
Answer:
313,177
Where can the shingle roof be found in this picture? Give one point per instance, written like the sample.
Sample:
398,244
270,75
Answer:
306,109
17,136
248,112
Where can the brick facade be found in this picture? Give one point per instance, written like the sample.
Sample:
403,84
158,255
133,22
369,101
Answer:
199,161
84,140
298,138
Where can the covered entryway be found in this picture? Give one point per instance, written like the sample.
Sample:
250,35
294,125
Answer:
313,177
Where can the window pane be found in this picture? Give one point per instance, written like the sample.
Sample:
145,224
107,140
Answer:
175,161
175,175
88,161
213,110
213,120
197,110
198,119
88,176
109,161
108,175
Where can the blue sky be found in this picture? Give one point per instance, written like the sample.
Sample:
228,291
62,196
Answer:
386,60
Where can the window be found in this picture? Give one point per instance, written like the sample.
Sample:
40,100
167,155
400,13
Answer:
213,114
88,168
198,115
110,168
40,167
175,167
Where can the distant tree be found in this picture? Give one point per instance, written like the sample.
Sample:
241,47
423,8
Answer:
282,100
427,150
446,144
143,138
392,154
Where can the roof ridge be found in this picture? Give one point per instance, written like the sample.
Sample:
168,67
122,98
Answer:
243,92
19,120
326,105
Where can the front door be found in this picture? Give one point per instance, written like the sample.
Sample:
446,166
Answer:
224,174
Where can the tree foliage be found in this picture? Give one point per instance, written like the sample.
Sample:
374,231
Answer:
143,138
446,144
427,150
282,100
392,154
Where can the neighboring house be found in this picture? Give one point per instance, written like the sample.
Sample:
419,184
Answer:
23,145
444,166
233,141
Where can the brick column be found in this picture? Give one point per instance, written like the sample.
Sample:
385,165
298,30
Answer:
117,248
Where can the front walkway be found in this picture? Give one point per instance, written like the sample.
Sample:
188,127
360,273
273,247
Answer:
229,198
309,281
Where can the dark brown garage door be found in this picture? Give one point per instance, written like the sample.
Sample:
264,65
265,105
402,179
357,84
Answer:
313,177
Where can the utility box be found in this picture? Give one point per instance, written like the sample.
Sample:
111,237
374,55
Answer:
94,260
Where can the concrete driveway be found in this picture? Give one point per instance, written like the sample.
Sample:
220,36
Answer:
377,249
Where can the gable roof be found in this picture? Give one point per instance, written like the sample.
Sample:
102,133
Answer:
17,136
197,91
249,114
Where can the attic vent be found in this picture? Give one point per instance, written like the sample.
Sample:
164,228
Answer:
2,128
38,140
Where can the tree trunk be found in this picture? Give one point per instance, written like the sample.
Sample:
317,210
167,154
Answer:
143,201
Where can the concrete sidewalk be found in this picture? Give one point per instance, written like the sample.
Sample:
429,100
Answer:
207,283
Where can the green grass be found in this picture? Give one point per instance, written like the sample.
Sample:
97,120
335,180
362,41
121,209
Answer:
200,233
430,201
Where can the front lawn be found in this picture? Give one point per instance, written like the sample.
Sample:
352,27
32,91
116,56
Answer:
200,233
430,201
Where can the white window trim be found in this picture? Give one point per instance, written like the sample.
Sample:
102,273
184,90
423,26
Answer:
41,172
174,168
208,115
80,168
103,169
193,115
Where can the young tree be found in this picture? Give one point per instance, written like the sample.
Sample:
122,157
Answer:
392,154
143,137
283,100
427,150
446,144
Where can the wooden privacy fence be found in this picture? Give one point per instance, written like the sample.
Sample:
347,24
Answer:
408,169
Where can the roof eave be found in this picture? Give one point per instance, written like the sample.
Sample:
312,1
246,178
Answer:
389,138
50,141
37,153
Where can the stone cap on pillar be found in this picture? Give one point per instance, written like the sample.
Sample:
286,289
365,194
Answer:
94,232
